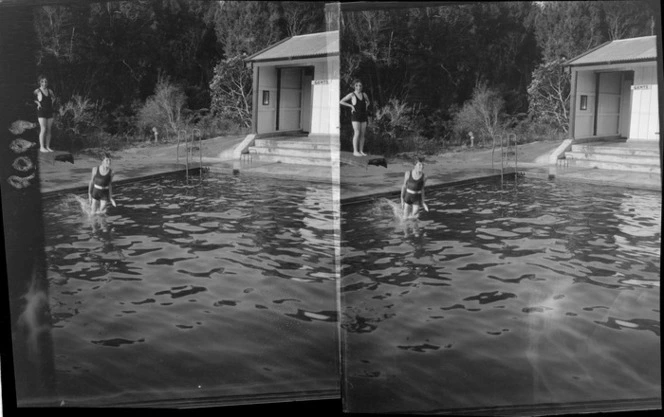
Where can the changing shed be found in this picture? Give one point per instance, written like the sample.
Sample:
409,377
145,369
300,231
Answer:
614,91
296,86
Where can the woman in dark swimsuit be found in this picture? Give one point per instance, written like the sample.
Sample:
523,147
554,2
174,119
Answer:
45,100
412,190
100,190
359,115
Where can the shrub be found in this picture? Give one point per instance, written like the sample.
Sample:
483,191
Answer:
231,91
163,110
78,115
78,119
483,115
529,130
393,129
212,125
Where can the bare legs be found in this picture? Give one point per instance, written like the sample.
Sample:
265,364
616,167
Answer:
363,129
46,125
98,206
43,125
359,128
49,125
413,208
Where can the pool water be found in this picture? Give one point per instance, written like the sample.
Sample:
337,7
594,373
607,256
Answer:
221,292
543,294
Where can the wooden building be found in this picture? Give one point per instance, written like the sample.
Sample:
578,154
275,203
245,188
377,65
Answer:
614,91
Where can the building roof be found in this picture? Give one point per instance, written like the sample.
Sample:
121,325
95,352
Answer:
619,51
300,46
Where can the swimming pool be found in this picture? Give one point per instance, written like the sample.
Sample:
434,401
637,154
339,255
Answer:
218,293
544,295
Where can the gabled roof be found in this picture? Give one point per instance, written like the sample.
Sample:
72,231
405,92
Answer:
619,51
300,46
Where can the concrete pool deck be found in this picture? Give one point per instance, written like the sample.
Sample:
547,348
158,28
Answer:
356,183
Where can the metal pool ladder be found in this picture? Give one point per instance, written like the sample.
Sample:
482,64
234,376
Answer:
509,157
189,137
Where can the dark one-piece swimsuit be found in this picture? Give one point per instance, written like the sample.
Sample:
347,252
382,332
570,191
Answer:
414,185
360,113
46,109
100,183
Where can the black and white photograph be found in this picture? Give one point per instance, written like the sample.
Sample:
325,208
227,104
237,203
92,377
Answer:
330,208
501,207
167,197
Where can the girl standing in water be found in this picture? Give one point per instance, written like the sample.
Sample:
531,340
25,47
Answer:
45,100
100,190
359,115
412,190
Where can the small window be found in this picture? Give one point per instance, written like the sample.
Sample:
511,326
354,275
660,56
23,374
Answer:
266,98
584,102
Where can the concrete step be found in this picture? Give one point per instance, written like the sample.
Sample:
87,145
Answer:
292,144
615,166
614,158
615,150
290,159
295,152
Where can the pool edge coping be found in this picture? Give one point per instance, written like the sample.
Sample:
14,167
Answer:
466,181
82,188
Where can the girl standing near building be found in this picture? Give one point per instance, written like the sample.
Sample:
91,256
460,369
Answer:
359,104
45,100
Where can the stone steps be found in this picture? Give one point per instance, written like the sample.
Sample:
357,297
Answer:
296,152
621,157
621,151
293,151
290,159
291,144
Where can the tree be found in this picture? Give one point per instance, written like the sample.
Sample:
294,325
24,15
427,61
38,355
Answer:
567,29
301,17
164,108
483,114
244,28
549,95
231,91
114,51
627,19
432,57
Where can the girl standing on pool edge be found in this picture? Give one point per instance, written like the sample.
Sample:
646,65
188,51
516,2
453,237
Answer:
45,100
100,190
359,115
412,190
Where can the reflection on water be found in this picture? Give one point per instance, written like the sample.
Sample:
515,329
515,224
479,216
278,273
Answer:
223,291
549,294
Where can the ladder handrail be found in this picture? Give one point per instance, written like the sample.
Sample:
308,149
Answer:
189,140
508,141
197,132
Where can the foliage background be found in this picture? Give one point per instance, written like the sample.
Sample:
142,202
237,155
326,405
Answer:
120,68
445,64
114,65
